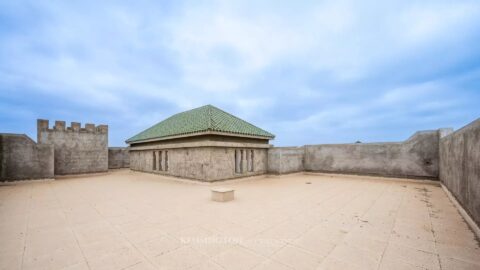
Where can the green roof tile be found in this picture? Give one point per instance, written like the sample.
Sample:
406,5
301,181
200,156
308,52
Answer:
205,118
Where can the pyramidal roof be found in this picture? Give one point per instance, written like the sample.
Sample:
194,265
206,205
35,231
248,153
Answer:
207,118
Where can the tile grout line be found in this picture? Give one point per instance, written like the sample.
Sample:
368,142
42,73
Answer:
393,225
70,226
429,207
27,225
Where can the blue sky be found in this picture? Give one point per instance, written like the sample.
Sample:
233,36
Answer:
308,71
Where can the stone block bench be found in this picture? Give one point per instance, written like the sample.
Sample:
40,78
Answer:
222,194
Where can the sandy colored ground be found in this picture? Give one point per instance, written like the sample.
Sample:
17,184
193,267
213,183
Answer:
130,220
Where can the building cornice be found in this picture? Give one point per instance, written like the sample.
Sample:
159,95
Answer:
200,134
200,144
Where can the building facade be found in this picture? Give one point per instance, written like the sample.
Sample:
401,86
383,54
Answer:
205,144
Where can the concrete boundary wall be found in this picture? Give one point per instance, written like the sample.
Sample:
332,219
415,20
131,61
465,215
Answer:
415,157
468,218
283,160
118,157
22,159
460,167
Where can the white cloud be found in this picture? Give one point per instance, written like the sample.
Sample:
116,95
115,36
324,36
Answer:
244,56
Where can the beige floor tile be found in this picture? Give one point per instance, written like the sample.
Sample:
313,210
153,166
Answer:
454,264
103,247
158,246
365,242
391,263
43,241
421,231
412,256
193,234
459,238
47,218
78,266
207,265
326,233
111,209
380,233
272,265
10,260
143,233
411,242
467,254
315,245
143,265
296,258
286,231
95,231
82,214
119,258
182,258
238,258
334,264
12,245
237,231
263,245
174,225
122,219
214,245
13,230
54,259
362,258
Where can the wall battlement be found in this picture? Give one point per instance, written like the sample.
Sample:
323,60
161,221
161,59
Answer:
43,125
77,149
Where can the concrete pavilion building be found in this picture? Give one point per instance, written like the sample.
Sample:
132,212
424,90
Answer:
205,144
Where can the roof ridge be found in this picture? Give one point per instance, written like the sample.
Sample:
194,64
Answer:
238,118
210,119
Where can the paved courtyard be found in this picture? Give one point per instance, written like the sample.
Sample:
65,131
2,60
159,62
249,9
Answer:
131,220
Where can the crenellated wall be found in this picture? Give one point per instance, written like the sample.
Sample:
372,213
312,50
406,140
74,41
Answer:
77,150
21,158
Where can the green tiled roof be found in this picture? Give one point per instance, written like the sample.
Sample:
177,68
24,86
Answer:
205,118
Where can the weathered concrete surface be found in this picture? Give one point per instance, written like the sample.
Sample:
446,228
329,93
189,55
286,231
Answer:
460,167
205,158
21,158
283,160
200,163
416,157
222,163
77,150
118,157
